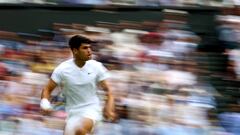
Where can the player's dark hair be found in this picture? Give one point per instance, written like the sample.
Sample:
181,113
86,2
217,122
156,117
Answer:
77,40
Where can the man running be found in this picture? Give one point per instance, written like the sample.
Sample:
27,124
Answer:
79,78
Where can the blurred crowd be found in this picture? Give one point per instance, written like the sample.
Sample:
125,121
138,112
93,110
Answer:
215,3
162,82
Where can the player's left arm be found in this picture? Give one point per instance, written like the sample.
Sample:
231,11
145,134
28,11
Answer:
109,108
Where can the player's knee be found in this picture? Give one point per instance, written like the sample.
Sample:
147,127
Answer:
80,131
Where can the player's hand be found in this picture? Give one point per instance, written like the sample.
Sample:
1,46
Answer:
109,114
46,108
46,112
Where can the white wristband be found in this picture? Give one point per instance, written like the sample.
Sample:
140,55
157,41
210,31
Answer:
45,104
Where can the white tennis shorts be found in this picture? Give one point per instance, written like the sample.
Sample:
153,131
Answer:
76,116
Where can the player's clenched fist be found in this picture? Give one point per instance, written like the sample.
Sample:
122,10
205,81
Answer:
46,107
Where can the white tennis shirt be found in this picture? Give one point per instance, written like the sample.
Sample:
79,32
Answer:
79,85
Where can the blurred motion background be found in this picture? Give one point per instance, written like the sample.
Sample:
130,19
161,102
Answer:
175,64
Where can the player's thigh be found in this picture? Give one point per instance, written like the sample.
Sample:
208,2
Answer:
80,124
87,125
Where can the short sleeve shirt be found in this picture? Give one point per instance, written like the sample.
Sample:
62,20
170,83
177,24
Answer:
79,84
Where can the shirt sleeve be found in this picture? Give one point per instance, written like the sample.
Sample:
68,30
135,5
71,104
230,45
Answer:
103,73
56,75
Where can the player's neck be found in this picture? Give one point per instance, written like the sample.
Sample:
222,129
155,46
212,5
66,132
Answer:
79,63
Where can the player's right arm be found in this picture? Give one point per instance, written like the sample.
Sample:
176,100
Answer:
47,90
46,94
54,80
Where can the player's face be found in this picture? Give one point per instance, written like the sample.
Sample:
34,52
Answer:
84,52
